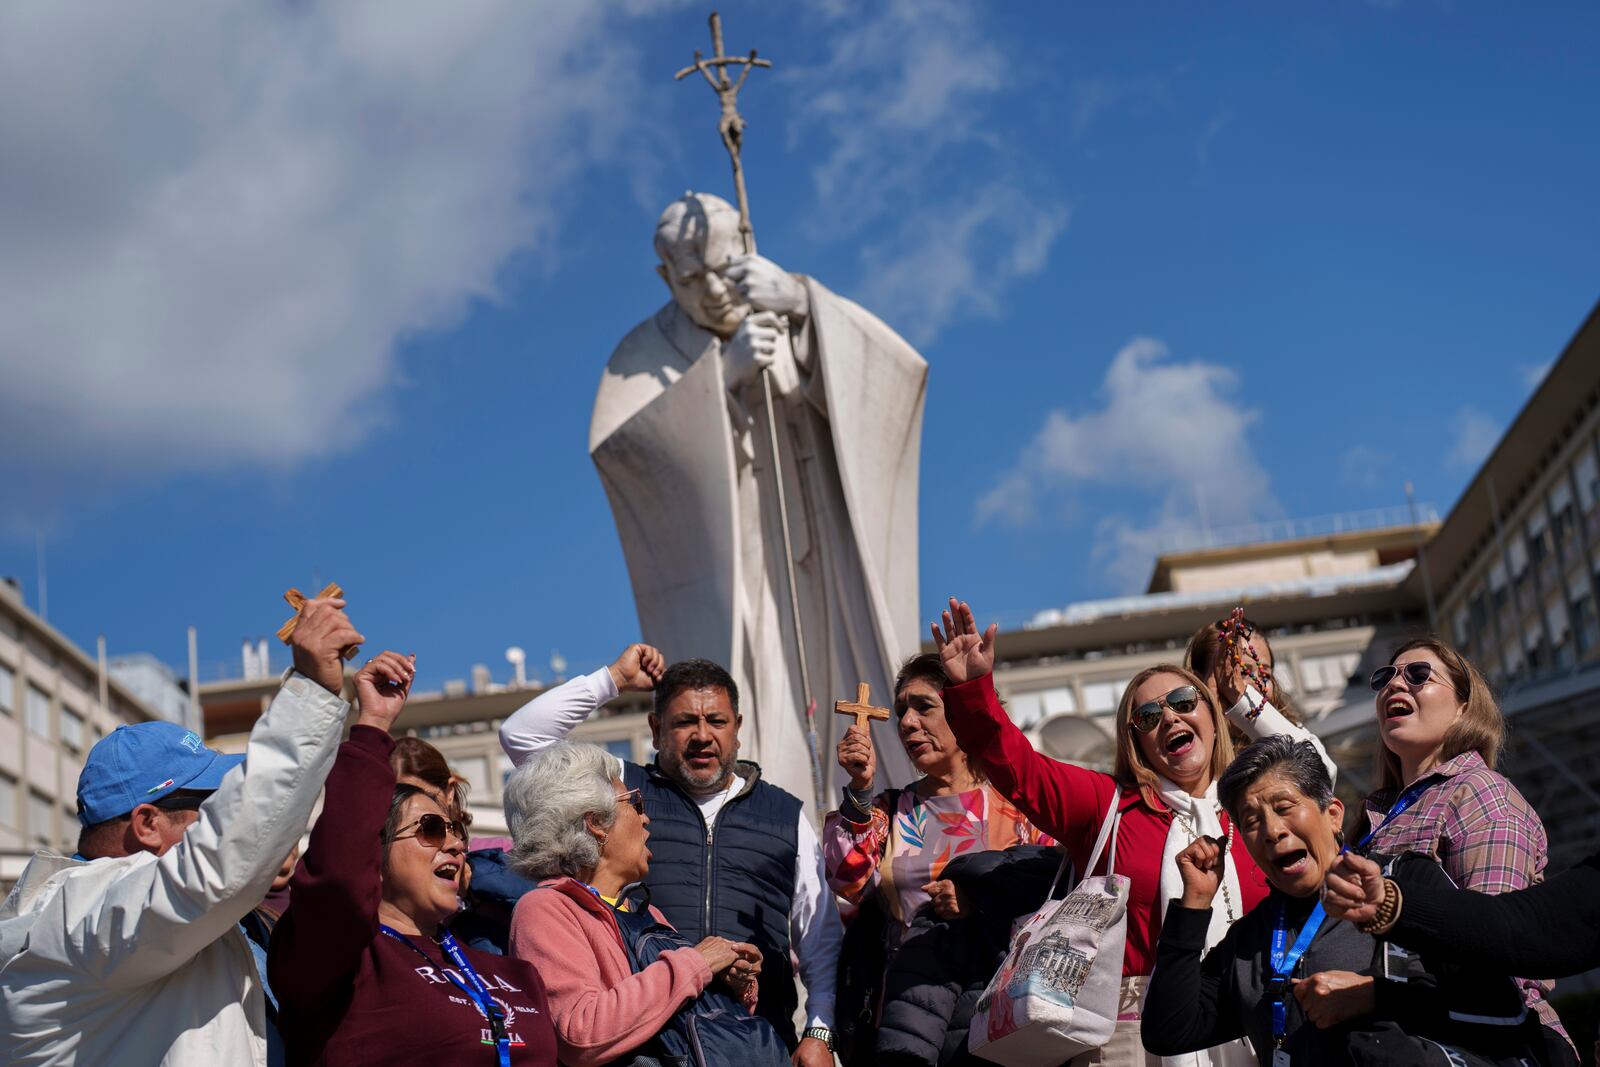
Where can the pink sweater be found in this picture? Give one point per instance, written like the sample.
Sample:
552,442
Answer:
601,1009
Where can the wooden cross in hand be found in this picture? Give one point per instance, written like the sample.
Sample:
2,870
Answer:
297,601
861,708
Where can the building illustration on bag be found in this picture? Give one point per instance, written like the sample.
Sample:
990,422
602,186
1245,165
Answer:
1096,910
1048,967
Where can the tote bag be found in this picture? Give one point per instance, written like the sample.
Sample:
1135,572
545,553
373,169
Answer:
1056,994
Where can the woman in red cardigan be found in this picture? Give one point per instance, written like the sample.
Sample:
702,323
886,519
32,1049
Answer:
1172,746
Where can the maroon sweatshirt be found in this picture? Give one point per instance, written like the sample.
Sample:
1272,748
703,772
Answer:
348,994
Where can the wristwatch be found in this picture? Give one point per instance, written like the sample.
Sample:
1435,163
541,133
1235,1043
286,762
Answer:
821,1033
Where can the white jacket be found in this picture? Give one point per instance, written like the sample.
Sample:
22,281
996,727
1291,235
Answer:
139,959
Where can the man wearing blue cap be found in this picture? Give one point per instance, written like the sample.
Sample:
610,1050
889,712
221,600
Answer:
131,951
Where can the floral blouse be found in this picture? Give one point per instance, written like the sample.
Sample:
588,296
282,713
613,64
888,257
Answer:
897,852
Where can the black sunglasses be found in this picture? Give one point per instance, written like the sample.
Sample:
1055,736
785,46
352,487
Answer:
1147,717
1416,675
634,798
431,829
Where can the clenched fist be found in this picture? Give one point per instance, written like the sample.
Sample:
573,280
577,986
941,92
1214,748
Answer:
638,669
858,758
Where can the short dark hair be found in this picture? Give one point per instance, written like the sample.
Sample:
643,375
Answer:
694,674
923,667
1298,761
94,841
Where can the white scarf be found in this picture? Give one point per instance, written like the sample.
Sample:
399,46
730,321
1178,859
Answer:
1194,817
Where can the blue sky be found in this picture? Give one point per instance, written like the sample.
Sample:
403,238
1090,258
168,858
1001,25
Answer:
308,292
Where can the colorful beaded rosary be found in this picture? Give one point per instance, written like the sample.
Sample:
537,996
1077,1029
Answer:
1233,641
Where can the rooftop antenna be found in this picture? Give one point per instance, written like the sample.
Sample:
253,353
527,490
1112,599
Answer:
519,666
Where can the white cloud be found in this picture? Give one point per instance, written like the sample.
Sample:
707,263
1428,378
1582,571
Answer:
946,216
1168,433
1532,374
221,219
1473,437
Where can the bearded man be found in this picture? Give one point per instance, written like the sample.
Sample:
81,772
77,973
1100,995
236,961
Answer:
731,854
681,439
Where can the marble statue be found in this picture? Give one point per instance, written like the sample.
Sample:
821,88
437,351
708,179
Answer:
681,441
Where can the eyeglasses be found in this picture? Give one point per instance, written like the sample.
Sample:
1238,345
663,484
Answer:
1416,674
1146,717
431,829
634,798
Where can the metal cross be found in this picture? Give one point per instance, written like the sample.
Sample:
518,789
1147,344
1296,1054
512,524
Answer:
731,125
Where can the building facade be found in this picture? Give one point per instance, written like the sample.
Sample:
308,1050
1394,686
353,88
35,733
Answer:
55,703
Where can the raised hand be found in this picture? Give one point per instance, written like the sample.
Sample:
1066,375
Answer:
1202,865
1353,889
1333,997
638,669
858,758
752,348
320,637
766,286
382,687
965,653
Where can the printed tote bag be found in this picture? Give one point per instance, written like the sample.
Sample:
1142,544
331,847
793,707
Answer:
1056,994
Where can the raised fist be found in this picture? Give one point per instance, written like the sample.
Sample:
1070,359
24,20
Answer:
1202,865
857,756
638,669
382,687
320,638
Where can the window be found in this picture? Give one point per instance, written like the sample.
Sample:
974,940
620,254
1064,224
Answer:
475,769
8,800
1463,629
38,711
41,817
1102,696
1321,674
8,689
72,729
1586,472
1025,707
1058,701
622,748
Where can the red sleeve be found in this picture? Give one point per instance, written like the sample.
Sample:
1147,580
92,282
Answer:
333,899
1064,801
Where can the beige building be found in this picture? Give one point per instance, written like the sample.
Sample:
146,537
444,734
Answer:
55,702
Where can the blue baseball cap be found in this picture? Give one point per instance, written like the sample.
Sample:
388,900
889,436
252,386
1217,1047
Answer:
140,764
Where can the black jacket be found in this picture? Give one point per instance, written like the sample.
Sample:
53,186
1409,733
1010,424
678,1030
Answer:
1195,1003
933,981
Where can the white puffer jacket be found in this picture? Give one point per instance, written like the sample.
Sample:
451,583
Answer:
140,959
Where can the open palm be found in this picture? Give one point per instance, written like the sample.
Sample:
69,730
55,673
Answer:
965,653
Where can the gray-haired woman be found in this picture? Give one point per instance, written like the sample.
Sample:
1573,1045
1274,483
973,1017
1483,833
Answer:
1303,988
582,834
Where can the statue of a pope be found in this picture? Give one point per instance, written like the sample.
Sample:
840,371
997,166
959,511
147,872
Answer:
681,440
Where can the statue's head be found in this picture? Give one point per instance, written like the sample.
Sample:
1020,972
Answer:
697,235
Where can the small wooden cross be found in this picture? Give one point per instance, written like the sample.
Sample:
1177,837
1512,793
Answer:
862,709
297,601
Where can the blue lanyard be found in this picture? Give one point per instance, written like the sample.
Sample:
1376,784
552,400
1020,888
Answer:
478,990
1283,964
1408,798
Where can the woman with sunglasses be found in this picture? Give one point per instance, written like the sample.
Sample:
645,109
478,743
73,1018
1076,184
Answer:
362,963
1438,790
581,833
1172,746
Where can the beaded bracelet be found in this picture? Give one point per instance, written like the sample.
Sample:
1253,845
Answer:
1388,910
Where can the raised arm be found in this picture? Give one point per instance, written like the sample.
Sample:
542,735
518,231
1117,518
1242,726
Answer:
162,912
333,909
555,713
1188,1006
1064,801
1254,716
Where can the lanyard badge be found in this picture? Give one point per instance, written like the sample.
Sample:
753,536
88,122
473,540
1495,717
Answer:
1283,964
474,987
1401,806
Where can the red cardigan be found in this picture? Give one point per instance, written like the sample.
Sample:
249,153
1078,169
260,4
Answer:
1069,803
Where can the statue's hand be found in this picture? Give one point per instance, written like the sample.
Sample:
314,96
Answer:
752,348
766,286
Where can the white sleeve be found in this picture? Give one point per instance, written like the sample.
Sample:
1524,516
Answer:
554,713
814,927
160,914
1268,721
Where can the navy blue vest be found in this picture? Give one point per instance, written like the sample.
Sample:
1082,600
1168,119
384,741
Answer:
734,879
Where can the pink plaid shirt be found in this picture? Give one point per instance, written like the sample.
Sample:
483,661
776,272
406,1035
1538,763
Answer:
1483,832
